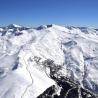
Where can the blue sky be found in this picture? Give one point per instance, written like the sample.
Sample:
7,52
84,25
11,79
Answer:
37,12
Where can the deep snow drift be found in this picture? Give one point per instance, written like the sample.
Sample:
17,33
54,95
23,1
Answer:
21,49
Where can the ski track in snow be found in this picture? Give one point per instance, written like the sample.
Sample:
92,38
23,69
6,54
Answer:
30,76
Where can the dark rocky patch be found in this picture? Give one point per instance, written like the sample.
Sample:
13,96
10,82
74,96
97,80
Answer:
68,88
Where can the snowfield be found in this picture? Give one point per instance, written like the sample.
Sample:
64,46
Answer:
74,48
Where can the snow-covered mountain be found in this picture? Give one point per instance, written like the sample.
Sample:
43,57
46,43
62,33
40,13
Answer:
23,52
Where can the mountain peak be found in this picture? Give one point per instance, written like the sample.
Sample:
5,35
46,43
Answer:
13,26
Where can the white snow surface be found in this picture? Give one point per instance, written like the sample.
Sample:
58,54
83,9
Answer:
74,47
